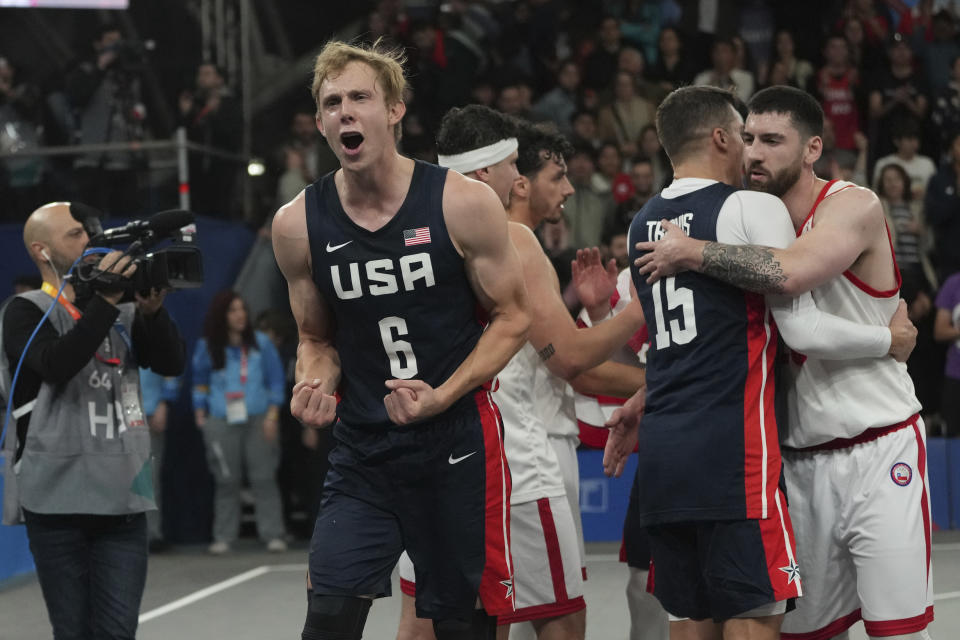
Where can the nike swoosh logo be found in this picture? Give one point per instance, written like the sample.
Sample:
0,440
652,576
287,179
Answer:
453,460
331,249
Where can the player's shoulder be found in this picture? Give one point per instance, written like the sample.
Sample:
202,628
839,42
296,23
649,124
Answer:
292,216
748,204
522,236
754,199
851,199
461,194
525,241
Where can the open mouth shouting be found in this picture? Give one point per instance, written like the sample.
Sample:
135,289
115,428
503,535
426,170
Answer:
351,141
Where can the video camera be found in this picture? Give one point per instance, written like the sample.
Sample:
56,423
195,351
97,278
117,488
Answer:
131,55
176,266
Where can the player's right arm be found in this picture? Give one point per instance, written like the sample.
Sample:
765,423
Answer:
318,364
567,350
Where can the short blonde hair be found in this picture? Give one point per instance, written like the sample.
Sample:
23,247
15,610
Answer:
386,63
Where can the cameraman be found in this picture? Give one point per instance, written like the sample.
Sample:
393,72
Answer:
104,92
82,463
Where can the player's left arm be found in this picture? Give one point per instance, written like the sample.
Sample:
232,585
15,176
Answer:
846,226
477,225
610,379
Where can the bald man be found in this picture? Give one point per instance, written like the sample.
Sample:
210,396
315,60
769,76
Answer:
81,478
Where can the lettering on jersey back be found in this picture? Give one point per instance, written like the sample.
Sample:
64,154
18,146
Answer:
380,277
655,229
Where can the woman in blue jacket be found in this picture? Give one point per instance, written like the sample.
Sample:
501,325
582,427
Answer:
238,389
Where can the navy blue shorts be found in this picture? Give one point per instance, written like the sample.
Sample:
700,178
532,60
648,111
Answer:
439,489
721,569
635,548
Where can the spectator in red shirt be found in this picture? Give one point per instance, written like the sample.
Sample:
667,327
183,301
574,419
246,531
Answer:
838,86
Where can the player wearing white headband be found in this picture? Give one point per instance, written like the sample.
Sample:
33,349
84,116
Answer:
543,527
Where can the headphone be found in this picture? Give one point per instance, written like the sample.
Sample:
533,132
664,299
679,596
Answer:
46,255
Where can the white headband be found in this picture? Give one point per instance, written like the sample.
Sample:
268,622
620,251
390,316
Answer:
479,158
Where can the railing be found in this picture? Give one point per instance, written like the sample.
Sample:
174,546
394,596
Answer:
178,144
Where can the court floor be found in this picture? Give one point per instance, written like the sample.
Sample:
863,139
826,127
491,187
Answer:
251,594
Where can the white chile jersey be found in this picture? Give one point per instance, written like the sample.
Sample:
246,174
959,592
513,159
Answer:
555,403
594,411
834,399
532,460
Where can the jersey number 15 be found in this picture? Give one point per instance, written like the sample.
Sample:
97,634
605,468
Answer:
676,297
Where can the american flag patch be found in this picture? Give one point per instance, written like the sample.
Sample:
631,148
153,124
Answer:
416,236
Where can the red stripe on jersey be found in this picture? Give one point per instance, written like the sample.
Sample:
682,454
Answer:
867,436
554,558
925,506
835,628
638,339
408,588
849,275
820,198
592,437
496,582
776,532
899,627
816,203
761,452
889,293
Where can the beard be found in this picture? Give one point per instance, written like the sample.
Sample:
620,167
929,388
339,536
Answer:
60,263
778,183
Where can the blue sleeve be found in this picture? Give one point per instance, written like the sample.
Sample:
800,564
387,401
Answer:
273,376
149,390
170,389
201,375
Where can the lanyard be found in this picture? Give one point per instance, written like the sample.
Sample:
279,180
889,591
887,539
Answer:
243,366
51,291
76,314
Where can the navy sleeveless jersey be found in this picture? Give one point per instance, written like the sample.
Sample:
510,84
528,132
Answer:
400,295
708,439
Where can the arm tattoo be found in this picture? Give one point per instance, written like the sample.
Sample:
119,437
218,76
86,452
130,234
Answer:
546,352
745,266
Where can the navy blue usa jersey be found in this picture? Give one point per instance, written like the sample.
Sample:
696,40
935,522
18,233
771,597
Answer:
400,295
708,439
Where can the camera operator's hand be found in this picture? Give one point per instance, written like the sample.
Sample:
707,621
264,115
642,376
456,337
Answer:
116,262
149,305
200,417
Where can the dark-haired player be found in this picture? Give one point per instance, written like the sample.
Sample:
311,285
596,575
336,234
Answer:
386,261
557,355
709,460
855,454
542,527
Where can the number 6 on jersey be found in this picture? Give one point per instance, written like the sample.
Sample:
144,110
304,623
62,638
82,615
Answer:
396,348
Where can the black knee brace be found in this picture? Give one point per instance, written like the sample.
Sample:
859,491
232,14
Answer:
478,626
335,617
